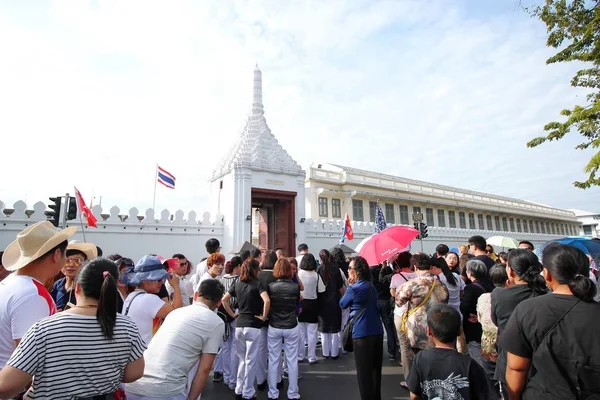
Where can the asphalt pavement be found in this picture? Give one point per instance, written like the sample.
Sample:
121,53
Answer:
329,379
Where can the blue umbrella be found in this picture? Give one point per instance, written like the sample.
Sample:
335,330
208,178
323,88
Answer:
587,245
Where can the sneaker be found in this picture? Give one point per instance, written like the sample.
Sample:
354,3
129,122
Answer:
217,377
285,376
392,358
262,386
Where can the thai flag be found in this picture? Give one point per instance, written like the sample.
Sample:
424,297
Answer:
347,232
165,178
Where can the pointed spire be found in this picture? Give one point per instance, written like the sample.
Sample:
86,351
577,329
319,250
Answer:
257,105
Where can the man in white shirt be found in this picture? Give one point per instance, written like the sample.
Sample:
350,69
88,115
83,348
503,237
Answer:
302,250
212,246
180,269
36,256
188,335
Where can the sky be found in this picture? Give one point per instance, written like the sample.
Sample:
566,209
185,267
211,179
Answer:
94,94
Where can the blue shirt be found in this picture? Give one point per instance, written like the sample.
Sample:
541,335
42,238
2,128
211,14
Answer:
61,295
357,296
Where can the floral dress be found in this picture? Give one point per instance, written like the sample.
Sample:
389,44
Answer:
419,294
490,331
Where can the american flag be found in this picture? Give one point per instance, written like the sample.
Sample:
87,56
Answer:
379,219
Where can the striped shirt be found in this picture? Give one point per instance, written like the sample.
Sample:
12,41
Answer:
70,358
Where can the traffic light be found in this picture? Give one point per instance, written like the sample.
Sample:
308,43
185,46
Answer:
72,209
423,230
417,226
55,213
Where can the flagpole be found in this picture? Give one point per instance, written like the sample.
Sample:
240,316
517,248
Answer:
79,211
82,227
155,180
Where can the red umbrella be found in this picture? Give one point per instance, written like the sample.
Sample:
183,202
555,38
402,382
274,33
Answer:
386,243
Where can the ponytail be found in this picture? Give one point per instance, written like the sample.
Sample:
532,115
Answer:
526,265
568,264
107,305
583,288
441,264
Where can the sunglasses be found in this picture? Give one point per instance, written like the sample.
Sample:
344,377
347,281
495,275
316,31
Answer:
74,261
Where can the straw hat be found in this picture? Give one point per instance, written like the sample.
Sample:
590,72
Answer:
32,243
88,249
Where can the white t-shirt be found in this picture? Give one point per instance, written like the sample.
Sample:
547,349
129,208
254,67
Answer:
76,342
397,281
182,286
453,291
186,333
142,308
310,280
23,302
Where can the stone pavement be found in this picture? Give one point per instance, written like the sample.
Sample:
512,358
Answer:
329,379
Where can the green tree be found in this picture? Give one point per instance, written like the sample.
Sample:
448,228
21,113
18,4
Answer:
574,29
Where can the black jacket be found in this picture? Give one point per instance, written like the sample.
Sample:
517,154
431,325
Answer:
284,295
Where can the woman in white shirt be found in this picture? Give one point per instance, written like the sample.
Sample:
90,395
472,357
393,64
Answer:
143,306
308,317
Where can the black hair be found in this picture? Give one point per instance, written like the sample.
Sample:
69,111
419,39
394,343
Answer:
212,245
236,262
498,275
244,255
308,263
71,252
1,254
61,246
211,290
302,247
563,263
421,260
403,260
442,249
441,264
114,257
478,241
99,251
527,266
328,266
255,253
444,322
528,243
361,267
269,260
178,255
98,280
338,255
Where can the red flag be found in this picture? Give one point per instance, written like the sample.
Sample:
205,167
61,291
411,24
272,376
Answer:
84,210
348,228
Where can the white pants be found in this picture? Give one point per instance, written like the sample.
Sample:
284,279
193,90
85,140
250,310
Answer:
226,361
308,334
331,344
263,353
247,343
131,396
345,317
289,338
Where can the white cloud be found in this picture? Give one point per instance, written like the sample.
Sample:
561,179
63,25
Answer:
104,90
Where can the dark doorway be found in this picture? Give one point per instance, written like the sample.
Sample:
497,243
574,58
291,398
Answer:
275,211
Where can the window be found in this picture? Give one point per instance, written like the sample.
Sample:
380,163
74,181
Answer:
497,223
372,210
488,221
471,221
389,214
543,226
548,227
403,214
441,218
519,229
336,208
357,210
323,207
587,230
452,219
416,210
429,217
553,227
512,224
531,227
504,224
537,227
525,226
480,222
462,219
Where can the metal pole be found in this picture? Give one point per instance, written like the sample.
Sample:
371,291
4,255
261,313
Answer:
65,209
155,180
421,240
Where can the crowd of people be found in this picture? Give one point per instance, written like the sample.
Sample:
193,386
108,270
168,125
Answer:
470,324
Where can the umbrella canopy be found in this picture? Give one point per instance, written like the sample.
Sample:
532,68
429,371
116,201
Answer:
345,249
386,243
588,246
247,246
503,241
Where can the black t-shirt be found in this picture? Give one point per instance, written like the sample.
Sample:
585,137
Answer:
446,374
383,290
487,281
250,303
468,306
266,278
573,343
162,293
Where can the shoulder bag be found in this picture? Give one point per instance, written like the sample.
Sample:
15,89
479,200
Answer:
347,343
411,311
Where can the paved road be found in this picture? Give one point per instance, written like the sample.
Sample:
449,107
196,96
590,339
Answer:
329,380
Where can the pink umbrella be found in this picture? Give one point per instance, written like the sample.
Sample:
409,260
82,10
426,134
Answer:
386,243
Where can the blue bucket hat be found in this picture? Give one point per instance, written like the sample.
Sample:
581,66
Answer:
149,268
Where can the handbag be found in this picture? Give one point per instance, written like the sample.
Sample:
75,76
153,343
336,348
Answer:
347,342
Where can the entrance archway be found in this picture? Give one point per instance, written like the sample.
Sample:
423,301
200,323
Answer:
274,217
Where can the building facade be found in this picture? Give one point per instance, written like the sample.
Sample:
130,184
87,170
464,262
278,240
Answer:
590,223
